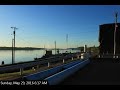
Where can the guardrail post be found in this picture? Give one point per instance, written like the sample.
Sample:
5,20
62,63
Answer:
21,71
116,56
72,58
37,66
63,61
99,56
48,64
33,68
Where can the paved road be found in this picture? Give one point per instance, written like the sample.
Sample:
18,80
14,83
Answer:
98,72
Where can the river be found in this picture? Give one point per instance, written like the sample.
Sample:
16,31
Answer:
24,55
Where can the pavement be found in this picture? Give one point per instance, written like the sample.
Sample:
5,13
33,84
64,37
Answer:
98,72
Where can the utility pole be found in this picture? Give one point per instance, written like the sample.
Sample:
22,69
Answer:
12,52
67,40
55,47
14,41
115,33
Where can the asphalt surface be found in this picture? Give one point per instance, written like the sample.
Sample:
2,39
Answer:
97,72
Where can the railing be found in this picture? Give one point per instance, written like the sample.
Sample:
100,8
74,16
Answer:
46,73
59,77
21,66
108,55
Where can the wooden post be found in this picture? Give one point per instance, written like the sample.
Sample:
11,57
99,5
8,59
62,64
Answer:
48,64
63,61
99,56
33,68
72,58
21,71
37,66
78,57
116,56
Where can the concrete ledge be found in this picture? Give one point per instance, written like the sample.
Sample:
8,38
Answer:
46,73
71,64
57,78
43,74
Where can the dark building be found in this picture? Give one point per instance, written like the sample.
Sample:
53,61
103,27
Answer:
106,38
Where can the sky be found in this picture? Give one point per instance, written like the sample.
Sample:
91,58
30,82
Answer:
42,25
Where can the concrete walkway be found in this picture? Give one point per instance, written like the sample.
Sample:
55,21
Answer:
98,72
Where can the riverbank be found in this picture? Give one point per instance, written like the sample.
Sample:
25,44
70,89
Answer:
21,48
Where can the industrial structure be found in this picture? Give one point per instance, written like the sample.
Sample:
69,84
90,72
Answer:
109,36
106,38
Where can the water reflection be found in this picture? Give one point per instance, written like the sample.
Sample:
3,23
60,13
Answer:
24,55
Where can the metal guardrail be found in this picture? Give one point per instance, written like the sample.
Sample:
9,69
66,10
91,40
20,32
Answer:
43,74
59,77
20,66
46,73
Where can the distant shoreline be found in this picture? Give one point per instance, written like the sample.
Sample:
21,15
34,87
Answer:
35,48
21,48
26,48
